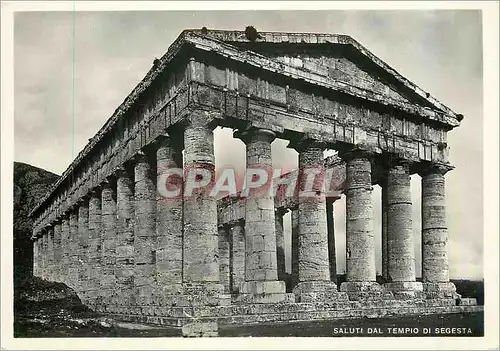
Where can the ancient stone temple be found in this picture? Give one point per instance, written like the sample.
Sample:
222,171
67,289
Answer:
106,230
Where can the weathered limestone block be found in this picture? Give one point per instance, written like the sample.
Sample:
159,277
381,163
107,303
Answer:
201,242
467,301
168,220
360,245
435,270
314,263
144,228
332,256
260,225
66,249
280,243
94,270
108,247
57,252
238,256
83,248
124,267
224,258
200,329
400,252
73,250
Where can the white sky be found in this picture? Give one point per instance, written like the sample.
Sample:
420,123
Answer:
441,51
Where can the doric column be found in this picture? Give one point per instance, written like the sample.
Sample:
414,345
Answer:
360,243
200,209
280,243
237,256
109,241
50,253
169,207
83,247
94,253
73,249
295,247
314,264
400,251
224,253
124,268
57,264
435,269
65,249
330,221
201,242
144,228
261,271
385,273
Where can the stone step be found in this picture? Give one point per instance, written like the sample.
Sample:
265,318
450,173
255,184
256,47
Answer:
298,316
271,308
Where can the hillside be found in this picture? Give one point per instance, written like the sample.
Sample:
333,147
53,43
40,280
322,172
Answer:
30,185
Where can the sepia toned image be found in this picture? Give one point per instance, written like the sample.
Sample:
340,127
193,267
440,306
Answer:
279,173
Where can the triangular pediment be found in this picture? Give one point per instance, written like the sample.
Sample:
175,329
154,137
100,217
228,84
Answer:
338,60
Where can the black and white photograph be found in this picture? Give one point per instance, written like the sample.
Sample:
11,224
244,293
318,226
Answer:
282,174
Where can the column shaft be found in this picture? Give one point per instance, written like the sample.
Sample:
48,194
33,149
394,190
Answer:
435,266
224,253
385,274
108,238
124,268
313,236
200,246
35,257
400,251
237,256
314,279
144,229
44,254
94,253
73,250
50,253
260,226
65,249
360,243
295,247
57,265
401,261
83,248
169,228
434,230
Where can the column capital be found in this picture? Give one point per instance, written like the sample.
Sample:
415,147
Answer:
121,171
83,200
202,118
95,191
255,134
427,168
304,143
139,156
356,153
